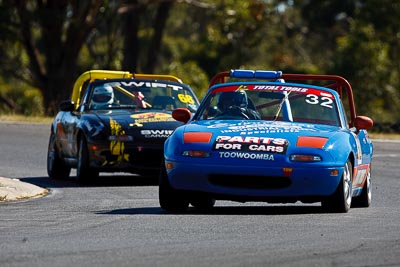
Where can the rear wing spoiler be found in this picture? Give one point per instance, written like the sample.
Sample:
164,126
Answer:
92,75
336,83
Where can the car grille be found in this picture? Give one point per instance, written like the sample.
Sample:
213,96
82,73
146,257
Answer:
249,181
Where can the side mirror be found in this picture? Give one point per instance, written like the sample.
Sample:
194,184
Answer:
181,114
66,105
363,123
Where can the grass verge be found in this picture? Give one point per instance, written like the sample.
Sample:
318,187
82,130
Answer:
388,136
21,118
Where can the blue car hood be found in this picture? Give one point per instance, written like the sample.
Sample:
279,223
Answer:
272,141
262,136
275,129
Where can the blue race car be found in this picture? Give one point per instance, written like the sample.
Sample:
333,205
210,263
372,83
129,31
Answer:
259,137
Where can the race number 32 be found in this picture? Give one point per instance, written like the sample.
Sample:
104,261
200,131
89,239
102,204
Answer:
322,101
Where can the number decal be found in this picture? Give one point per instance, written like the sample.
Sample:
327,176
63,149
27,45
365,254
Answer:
312,99
323,101
186,98
326,102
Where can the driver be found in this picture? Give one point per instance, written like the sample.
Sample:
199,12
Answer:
103,96
236,104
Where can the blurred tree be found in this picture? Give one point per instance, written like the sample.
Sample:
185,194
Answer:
131,23
61,38
51,34
103,45
360,41
49,43
137,15
223,34
369,57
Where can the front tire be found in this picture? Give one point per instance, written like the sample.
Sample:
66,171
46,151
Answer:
84,173
202,202
56,167
340,201
170,199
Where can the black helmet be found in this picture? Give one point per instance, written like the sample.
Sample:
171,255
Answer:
236,98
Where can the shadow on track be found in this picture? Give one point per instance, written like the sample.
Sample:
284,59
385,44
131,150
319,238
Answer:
137,181
103,181
225,210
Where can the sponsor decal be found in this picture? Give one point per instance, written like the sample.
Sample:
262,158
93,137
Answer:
285,88
135,124
361,173
156,133
246,155
242,87
251,144
150,117
276,88
244,128
280,88
358,148
147,84
117,148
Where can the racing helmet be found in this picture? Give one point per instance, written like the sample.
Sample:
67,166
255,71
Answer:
103,95
229,99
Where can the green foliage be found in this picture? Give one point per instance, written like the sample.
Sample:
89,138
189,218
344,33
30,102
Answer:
191,74
358,40
21,99
31,103
365,61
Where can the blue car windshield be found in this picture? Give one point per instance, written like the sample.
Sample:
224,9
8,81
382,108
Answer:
273,103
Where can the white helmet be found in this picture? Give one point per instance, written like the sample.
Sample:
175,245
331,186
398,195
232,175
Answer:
103,96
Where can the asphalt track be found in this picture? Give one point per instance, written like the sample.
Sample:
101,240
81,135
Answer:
118,222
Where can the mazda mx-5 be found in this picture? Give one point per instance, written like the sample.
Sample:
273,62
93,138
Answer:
273,137
115,121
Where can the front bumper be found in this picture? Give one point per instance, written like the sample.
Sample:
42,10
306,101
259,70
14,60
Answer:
130,158
247,182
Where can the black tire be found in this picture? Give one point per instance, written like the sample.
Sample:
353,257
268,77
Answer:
364,200
202,202
84,173
340,201
56,167
170,199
